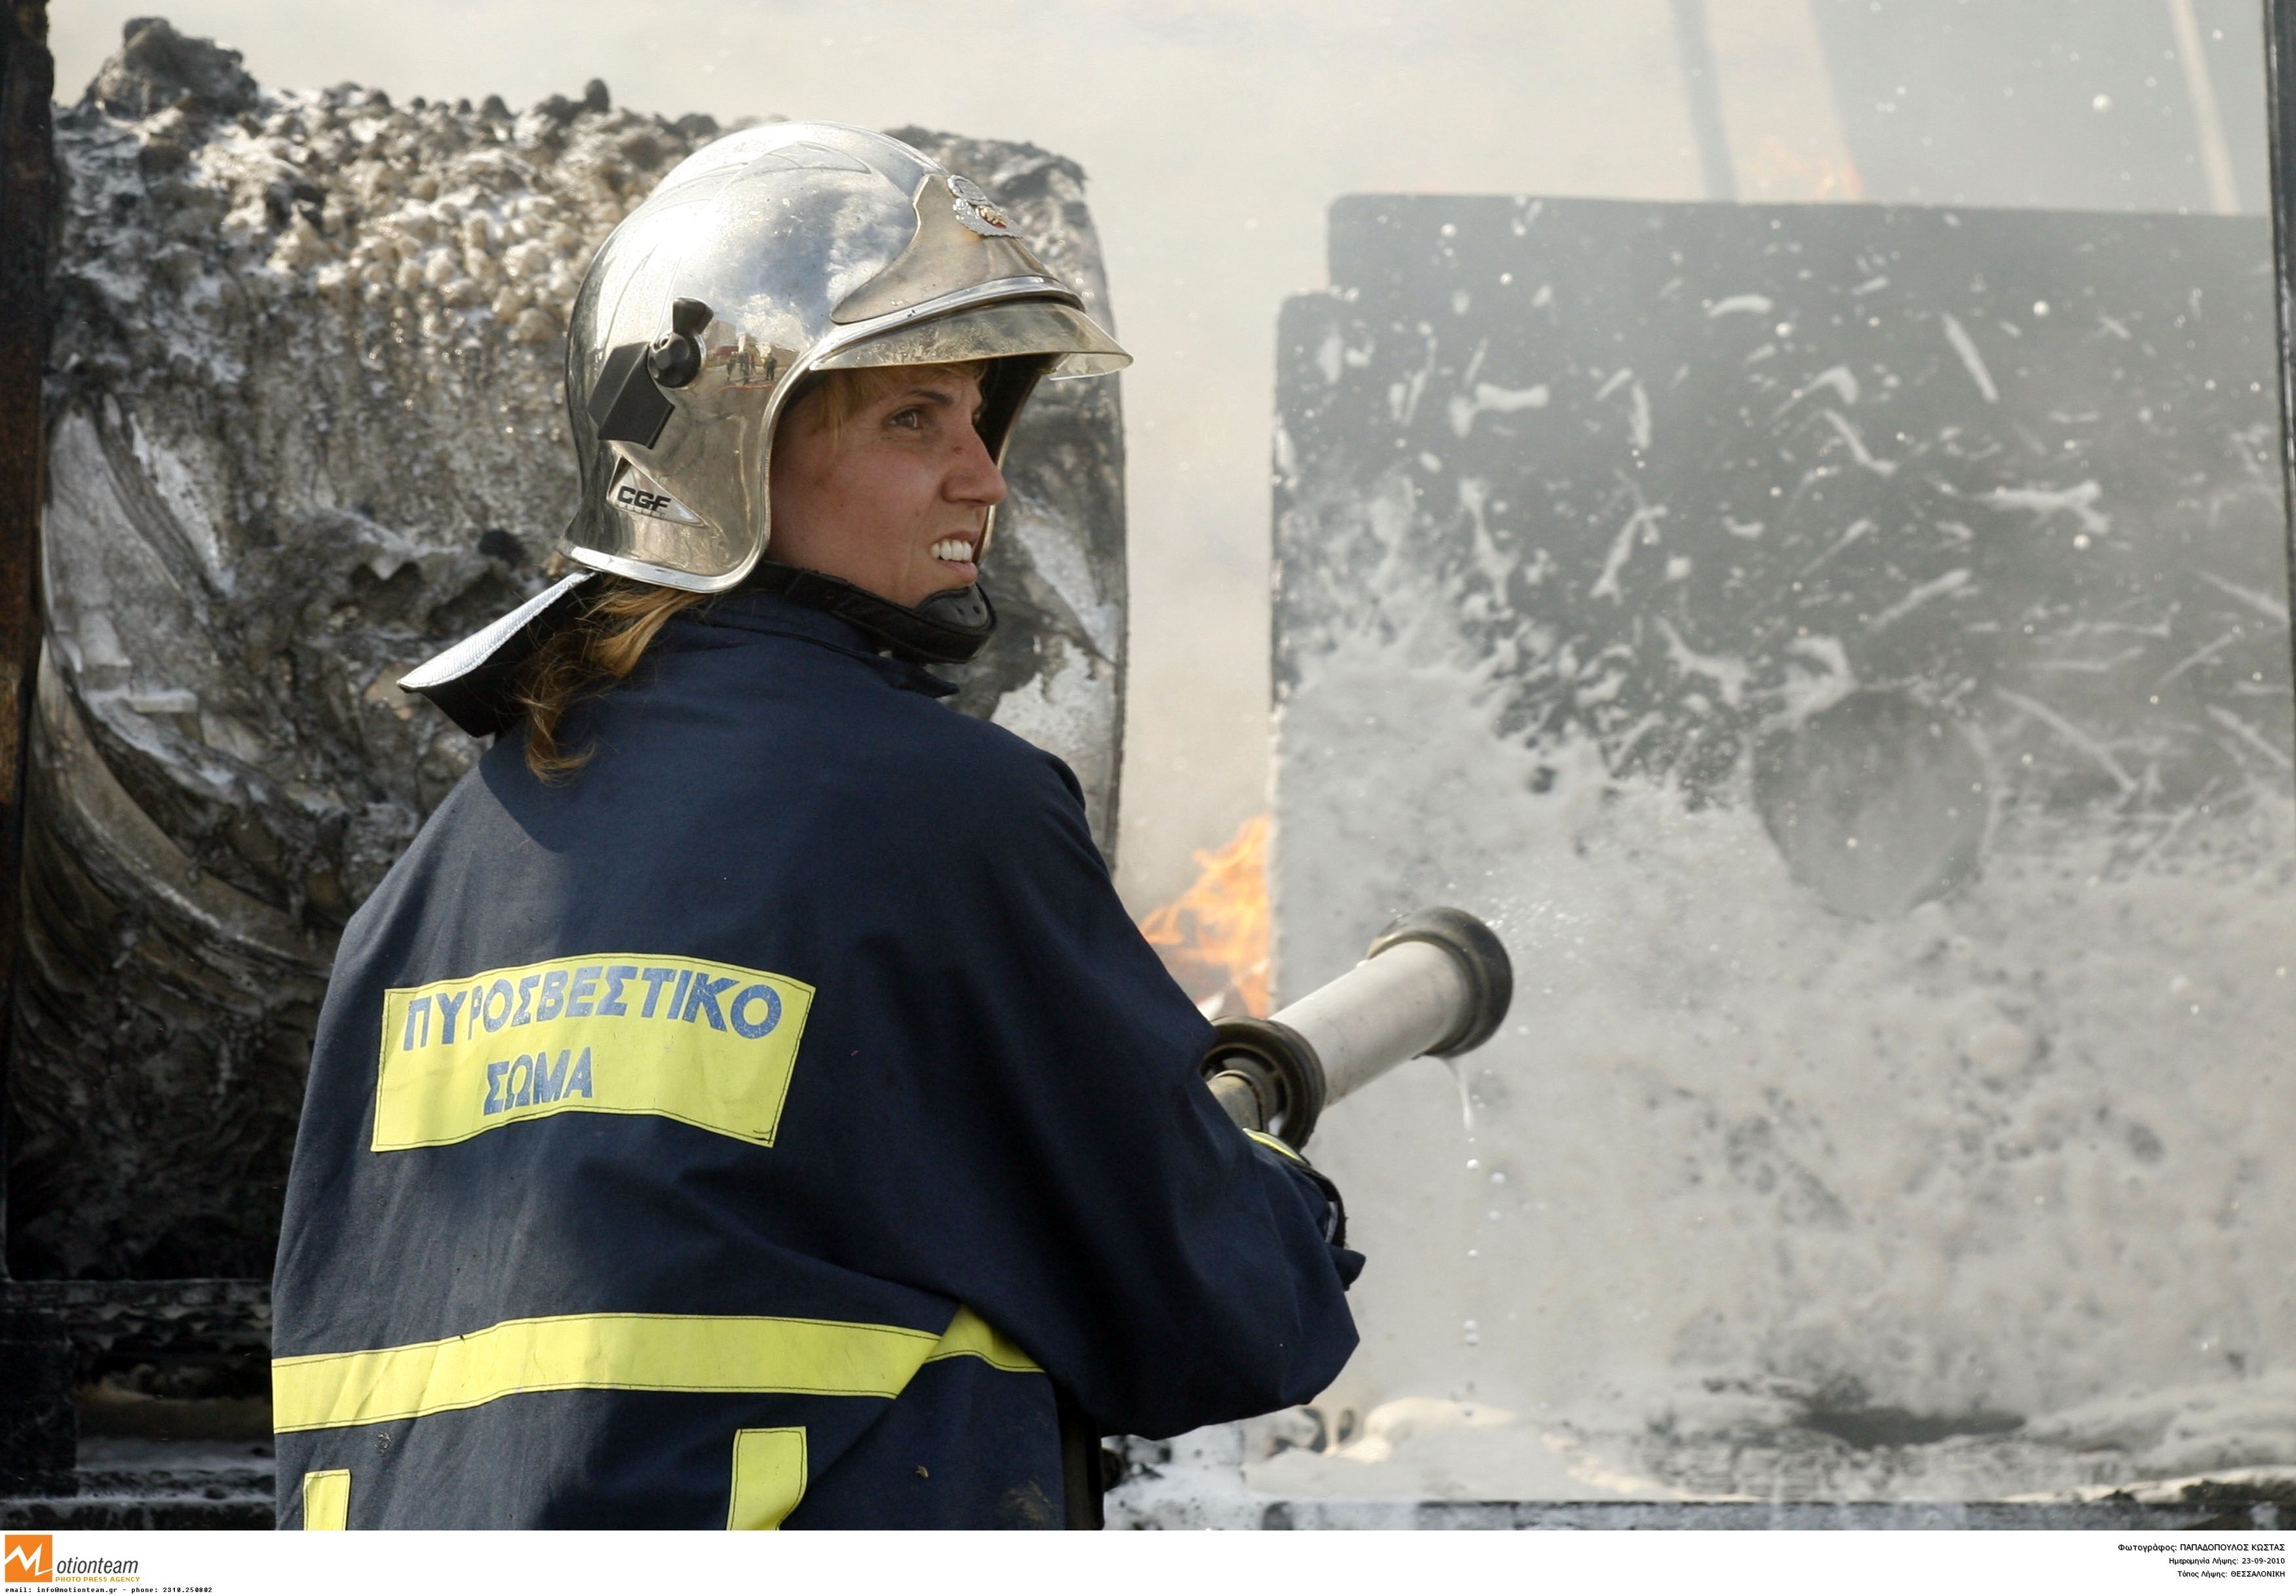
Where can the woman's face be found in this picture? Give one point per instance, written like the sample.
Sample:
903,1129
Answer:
897,501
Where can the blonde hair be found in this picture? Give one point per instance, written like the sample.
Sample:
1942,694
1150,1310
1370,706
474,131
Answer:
600,647
620,619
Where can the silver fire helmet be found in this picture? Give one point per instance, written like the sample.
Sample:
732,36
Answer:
771,254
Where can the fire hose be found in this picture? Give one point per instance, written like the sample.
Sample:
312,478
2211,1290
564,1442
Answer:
1436,982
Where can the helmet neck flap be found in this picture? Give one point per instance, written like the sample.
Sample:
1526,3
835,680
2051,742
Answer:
476,683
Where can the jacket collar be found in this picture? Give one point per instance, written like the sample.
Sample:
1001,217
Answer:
759,610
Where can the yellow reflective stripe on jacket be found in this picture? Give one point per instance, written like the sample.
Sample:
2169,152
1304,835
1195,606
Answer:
970,1336
327,1499
1274,1146
619,1352
770,1467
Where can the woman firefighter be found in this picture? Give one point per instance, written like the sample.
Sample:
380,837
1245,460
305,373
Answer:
747,1103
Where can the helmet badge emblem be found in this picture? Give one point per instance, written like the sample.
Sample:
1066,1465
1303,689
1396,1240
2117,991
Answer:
977,211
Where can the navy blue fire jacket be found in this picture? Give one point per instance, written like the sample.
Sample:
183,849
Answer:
756,1127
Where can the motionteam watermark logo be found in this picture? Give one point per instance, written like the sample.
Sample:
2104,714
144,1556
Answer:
29,1560
32,1560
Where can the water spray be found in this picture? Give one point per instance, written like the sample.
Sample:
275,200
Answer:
1436,982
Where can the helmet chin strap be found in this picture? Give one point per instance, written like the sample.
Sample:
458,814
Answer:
948,629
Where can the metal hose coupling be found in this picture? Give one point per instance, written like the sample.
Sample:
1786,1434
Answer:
1435,982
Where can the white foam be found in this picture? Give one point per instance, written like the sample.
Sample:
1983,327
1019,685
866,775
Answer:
2021,1152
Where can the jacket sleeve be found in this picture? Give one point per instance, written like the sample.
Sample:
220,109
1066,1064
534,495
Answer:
1081,1188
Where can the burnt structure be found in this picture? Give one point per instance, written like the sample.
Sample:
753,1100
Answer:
305,418
36,1416
1684,468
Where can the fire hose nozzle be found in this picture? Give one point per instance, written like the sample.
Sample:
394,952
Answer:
1437,981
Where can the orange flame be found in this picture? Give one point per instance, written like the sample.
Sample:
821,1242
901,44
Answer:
1214,936
1778,172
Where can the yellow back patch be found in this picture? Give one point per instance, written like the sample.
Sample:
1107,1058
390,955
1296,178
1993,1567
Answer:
709,1044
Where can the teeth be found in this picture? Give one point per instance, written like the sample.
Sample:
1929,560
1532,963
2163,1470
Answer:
952,548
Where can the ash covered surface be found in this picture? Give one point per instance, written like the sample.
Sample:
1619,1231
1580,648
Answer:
306,423
1844,652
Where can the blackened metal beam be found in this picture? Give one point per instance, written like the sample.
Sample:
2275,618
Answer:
2280,120
28,212
1702,88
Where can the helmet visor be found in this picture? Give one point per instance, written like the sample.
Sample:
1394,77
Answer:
1067,336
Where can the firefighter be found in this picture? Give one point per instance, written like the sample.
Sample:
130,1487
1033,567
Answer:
747,1103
